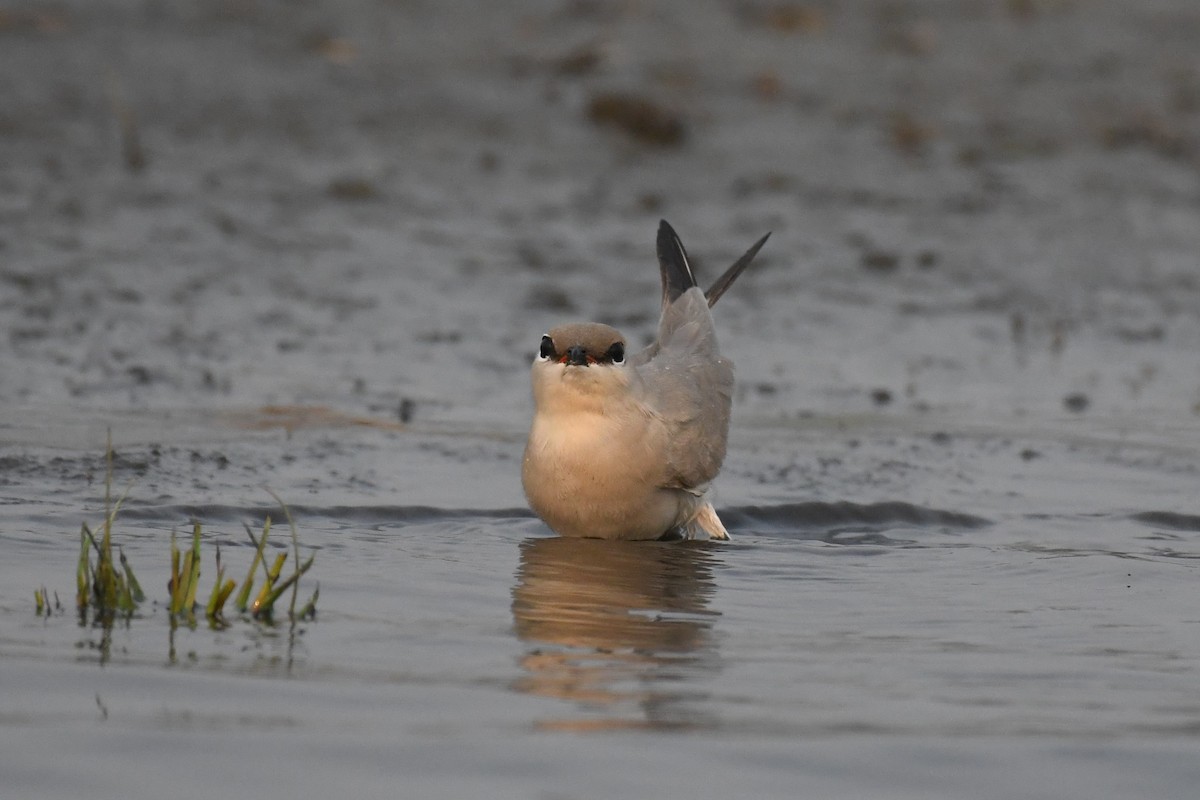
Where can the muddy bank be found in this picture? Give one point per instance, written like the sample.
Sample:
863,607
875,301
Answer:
985,206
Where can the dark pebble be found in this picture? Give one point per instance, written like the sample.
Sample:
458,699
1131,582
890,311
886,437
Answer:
1076,402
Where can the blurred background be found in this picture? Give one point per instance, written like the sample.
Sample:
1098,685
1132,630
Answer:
379,205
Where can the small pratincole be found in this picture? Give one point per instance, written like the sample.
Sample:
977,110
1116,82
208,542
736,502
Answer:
626,446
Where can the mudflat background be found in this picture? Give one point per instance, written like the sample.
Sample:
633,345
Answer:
313,246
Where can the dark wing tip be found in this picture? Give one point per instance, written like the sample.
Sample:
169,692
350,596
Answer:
673,266
730,275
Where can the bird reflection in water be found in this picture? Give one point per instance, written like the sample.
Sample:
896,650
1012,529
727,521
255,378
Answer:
620,629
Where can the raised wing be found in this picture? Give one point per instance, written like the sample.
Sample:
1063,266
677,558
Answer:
689,387
686,383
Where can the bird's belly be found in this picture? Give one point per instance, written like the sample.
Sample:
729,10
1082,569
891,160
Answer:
593,481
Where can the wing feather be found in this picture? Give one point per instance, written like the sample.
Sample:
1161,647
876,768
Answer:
689,387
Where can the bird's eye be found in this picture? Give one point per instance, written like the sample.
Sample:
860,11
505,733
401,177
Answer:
616,353
546,351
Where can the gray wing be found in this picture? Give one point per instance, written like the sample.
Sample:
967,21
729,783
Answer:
730,275
685,382
677,277
689,386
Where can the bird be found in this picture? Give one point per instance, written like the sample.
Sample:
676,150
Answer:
625,445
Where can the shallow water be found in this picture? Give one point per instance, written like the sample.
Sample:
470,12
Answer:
878,649
964,471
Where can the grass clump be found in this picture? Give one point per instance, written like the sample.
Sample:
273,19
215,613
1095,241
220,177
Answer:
107,588
185,580
41,600
99,584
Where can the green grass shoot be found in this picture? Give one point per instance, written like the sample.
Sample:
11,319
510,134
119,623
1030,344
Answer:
135,588
264,606
243,597
83,572
295,549
269,583
310,608
185,574
214,610
41,599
